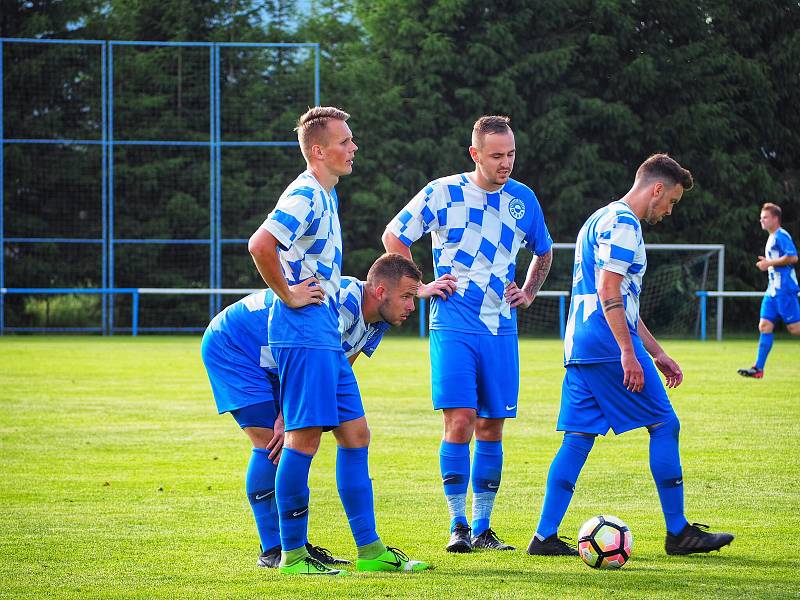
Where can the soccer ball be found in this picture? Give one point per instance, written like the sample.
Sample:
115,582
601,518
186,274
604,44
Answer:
605,542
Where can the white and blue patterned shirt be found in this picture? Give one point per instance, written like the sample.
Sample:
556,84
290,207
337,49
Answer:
610,240
476,236
782,280
305,221
357,334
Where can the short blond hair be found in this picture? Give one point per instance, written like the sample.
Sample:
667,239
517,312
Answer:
312,124
773,209
489,124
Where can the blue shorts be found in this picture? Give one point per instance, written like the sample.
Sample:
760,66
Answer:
318,388
593,399
784,307
257,415
473,370
236,379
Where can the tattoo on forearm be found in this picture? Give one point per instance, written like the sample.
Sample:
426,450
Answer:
538,273
613,303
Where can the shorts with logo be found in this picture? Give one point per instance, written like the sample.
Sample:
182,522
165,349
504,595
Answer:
237,380
783,307
318,388
474,370
594,400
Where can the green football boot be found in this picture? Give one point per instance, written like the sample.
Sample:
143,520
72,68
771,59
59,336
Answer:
391,560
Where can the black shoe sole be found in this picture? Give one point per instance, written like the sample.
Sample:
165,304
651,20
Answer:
459,549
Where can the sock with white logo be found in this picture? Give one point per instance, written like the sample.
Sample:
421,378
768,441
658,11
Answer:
764,346
454,464
260,488
291,493
355,491
487,468
665,465
561,479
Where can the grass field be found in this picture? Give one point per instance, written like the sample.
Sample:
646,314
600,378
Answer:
118,480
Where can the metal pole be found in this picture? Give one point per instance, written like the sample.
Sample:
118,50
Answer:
104,189
110,224
703,297
2,187
212,183
720,288
135,313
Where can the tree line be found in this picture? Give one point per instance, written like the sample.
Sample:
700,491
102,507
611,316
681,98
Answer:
592,88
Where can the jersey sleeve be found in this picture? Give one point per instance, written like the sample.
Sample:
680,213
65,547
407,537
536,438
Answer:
292,216
786,245
349,302
538,238
618,239
420,216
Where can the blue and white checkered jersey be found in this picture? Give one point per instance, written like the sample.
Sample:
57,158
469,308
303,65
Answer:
782,280
476,236
611,240
357,334
305,222
244,324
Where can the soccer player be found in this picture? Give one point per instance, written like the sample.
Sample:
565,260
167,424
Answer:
478,221
780,300
298,251
611,380
244,376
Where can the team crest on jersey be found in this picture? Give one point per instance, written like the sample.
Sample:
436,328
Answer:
517,208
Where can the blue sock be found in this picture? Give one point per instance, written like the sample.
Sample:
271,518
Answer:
665,465
487,469
561,479
454,464
764,346
355,491
260,488
291,492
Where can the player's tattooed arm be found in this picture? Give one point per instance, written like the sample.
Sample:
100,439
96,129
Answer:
613,303
537,273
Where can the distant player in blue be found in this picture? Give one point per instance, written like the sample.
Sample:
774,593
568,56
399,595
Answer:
244,375
298,251
478,222
611,381
780,301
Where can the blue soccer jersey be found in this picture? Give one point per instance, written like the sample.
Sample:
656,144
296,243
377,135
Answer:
305,222
357,334
782,280
476,236
611,240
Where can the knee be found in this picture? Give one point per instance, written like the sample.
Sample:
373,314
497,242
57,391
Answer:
489,430
459,425
765,326
671,427
794,328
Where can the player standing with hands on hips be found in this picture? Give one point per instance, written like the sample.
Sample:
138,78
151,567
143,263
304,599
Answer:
780,301
317,386
611,380
478,222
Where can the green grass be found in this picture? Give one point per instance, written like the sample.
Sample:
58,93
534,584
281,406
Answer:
118,480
